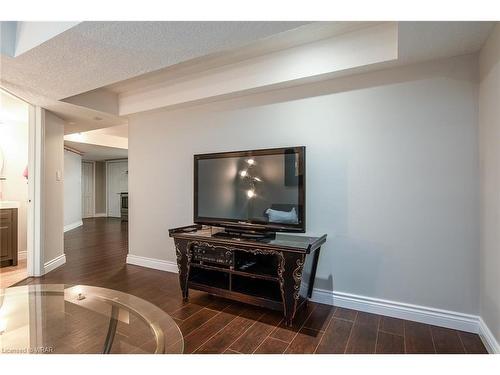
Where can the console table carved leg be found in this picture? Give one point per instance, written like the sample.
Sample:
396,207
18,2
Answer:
313,273
183,258
292,277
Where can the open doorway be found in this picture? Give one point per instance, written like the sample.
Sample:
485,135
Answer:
14,189
88,189
96,182
117,188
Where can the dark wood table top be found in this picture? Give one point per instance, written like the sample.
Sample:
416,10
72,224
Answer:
298,242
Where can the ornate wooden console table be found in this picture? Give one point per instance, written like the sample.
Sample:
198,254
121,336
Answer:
276,273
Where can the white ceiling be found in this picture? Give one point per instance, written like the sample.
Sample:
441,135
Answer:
307,33
97,153
80,118
117,131
125,56
417,41
95,54
440,39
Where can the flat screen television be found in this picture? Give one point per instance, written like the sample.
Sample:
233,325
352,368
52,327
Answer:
252,191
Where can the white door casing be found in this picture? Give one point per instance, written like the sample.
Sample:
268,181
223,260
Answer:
35,250
88,189
117,182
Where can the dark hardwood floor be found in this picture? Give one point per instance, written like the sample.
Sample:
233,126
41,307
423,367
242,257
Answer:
95,255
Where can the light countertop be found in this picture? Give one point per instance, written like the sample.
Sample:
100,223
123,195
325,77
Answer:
9,204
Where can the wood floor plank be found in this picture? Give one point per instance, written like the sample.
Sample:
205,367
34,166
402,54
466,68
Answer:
202,299
305,342
364,318
391,325
418,338
347,314
196,320
223,339
335,338
472,343
320,317
218,304
252,312
199,336
229,351
362,340
168,305
363,334
271,346
446,341
284,333
256,334
387,343
186,311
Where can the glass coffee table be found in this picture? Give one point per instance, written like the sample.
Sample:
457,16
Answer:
56,318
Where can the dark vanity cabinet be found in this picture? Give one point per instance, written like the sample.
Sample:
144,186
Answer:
8,237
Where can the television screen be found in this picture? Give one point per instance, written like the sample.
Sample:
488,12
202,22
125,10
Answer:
262,187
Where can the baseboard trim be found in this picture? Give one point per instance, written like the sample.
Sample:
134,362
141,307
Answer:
23,254
157,264
104,214
54,263
73,226
422,314
488,338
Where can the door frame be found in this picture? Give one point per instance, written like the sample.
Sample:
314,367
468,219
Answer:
35,222
107,179
93,188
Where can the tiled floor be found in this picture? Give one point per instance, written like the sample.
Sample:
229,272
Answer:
96,255
13,274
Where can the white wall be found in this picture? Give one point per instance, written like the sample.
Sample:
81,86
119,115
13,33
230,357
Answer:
53,205
392,176
72,189
14,143
489,137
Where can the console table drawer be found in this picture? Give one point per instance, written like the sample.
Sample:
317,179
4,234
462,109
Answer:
212,254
